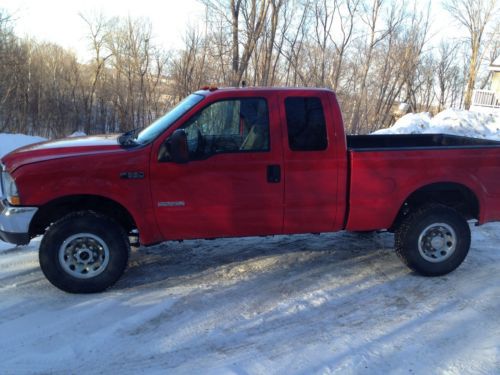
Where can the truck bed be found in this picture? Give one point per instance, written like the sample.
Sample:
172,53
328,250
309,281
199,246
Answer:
415,141
386,169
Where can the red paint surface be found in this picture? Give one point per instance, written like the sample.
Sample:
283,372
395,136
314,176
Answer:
229,195
224,195
382,180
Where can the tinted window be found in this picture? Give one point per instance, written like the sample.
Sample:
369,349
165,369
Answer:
229,126
306,124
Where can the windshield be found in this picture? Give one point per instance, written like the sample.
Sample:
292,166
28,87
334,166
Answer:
164,122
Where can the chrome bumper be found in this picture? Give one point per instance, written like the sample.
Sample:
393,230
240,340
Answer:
15,223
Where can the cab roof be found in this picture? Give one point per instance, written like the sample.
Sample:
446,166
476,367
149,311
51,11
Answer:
210,90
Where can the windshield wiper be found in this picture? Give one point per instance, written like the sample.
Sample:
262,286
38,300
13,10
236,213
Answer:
128,138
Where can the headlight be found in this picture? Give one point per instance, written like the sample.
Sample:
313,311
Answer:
9,189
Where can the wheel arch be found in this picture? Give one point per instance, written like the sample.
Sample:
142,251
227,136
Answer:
60,207
451,194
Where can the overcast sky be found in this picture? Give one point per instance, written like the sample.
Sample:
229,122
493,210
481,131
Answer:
58,20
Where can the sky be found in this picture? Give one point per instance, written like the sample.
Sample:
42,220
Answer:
58,20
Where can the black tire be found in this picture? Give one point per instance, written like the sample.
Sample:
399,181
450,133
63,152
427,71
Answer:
89,237
438,223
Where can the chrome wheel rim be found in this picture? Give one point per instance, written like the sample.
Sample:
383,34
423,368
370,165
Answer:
437,242
84,255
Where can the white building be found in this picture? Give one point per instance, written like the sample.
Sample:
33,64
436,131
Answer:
489,100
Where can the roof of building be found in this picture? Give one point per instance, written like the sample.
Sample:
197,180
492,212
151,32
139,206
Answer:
495,65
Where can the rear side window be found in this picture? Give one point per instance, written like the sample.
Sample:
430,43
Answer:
306,124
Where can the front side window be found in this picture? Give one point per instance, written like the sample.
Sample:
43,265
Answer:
164,122
225,126
306,124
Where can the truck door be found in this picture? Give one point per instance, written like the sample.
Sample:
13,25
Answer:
310,163
232,184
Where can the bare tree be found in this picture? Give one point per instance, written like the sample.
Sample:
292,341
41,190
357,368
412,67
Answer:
247,21
98,28
267,71
188,70
371,52
474,15
294,45
371,18
136,70
445,71
324,16
8,59
347,12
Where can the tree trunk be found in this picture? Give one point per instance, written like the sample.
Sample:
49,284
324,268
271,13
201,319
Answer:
471,80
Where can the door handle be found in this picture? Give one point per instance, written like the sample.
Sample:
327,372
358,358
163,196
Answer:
273,174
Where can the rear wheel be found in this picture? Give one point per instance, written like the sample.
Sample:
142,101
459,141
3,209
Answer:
434,240
84,252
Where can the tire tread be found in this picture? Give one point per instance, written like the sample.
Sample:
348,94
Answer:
409,222
56,276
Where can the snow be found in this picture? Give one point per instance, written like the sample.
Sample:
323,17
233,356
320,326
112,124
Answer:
77,134
9,142
340,303
450,121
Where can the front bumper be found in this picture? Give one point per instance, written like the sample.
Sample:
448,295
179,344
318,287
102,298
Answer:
15,223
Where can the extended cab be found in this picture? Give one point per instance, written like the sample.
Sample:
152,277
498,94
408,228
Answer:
244,162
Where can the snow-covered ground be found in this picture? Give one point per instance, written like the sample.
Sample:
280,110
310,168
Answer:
339,303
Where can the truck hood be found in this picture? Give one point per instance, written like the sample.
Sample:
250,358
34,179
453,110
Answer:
61,148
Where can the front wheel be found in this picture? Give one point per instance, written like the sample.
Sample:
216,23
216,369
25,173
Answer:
84,252
433,240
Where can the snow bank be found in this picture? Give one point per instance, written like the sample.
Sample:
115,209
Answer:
9,142
450,121
77,134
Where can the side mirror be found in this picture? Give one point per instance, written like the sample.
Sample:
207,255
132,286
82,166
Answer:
177,147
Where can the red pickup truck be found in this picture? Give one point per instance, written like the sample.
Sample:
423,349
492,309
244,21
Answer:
244,162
